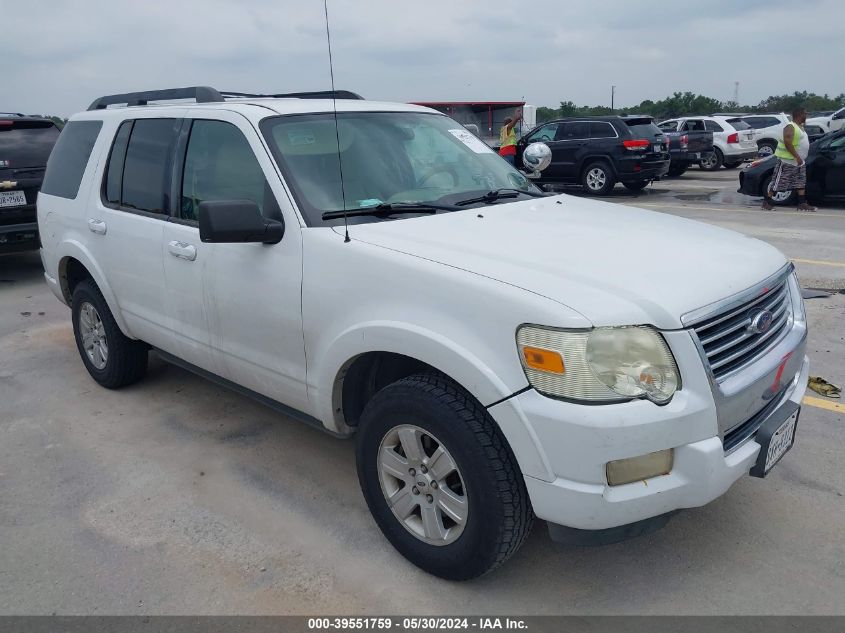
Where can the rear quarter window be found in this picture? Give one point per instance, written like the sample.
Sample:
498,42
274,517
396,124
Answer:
69,158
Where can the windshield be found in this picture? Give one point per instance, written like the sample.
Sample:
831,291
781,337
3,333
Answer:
385,157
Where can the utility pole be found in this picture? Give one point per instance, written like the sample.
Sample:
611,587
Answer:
736,93
612,97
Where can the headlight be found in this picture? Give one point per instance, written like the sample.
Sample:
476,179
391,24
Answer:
601,365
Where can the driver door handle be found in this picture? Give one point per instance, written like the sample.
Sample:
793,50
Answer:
182,250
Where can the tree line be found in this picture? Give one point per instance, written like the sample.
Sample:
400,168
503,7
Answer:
688,103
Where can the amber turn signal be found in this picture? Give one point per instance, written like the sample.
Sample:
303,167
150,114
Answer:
543,360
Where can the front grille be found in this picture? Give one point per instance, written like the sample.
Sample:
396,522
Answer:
726,339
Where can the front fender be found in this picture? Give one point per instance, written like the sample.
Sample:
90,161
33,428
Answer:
445,355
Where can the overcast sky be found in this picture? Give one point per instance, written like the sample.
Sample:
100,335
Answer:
57,56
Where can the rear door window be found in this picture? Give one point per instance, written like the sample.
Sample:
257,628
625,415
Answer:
147,166
739,124
26,143
69,158
602,129
693,125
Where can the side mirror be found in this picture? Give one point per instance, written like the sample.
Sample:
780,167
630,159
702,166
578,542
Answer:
235,221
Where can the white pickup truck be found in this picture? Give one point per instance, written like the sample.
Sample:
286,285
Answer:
375,270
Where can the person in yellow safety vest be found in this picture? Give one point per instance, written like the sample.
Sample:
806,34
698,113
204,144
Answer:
507,138
791,169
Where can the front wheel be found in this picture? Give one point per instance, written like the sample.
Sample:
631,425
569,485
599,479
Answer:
440,479
598,179
635,186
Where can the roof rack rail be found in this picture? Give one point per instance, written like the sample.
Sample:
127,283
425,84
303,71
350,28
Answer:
14,114
317,94
206,94
201,94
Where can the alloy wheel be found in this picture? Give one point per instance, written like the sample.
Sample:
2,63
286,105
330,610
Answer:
422,484
596,179
93,335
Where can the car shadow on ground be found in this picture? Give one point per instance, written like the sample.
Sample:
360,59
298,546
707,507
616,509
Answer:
20,268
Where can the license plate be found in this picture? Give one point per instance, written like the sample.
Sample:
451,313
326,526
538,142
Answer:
658,149
775,438
781,441
12,199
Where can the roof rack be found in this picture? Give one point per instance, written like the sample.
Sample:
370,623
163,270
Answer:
318,94
206,94
14,114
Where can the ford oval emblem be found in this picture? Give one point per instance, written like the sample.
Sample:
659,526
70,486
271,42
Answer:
761,322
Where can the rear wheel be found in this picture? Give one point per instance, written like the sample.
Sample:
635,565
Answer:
677,170
780,198
440,479
598,179
112,359
713,162
766,148
635,186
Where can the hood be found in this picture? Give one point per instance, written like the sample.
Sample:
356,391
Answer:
614,264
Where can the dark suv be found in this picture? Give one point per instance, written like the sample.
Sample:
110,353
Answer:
25,145
598,152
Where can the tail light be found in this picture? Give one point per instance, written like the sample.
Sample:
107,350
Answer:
684,141
637,145
733,138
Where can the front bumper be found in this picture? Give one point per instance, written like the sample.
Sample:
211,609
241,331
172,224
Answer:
576,441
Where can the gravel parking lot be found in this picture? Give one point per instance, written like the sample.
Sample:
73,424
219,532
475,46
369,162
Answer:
176,496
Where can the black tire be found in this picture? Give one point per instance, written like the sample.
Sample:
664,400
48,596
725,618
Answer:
499,515
609,179
126,361
766,148
716,163
731,165
789,201
635,186
677,170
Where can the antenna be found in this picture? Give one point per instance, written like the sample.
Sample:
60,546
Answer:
336,130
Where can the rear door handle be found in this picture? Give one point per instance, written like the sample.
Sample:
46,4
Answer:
97,226
182,250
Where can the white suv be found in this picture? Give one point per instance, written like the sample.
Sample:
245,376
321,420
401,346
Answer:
377,271
830,122
768,130
733,139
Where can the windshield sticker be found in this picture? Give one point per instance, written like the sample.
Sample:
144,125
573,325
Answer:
370,202
301,138
470,140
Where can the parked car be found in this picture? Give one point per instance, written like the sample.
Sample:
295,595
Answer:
825,172
814,132
828,121
498,353
598,152
733,139
686,148
25,144
768,130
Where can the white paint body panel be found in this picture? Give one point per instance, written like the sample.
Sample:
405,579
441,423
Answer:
449,290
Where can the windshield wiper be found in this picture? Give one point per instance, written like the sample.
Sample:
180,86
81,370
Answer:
499,194
390,208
